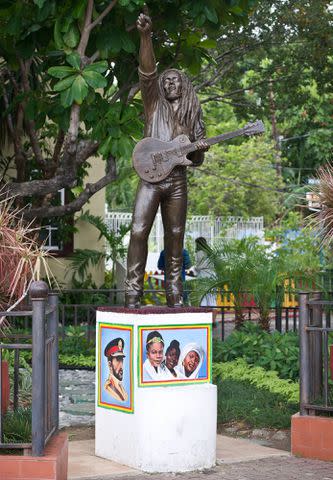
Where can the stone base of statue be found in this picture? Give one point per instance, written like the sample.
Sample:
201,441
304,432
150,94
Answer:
155,415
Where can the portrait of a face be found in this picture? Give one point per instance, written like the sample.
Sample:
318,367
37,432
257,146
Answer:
115,390
154,356
114,352
191,362
116,365
172,355
155,353
177,354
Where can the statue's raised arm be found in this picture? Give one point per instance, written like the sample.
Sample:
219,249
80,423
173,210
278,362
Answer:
147,62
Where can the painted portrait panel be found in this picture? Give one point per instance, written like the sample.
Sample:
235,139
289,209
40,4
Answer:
115,367
174,355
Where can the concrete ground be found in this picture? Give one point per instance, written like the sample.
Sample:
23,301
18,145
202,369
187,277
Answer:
237,459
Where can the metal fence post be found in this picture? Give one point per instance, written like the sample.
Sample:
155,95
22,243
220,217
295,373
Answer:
53,322
278,308
315,346
38,295
304,352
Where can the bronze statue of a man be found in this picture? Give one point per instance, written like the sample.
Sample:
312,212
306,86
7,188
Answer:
171,108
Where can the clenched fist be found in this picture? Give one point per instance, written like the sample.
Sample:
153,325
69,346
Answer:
143,23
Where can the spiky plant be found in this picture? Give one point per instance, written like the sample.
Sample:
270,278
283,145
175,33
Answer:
323,219
21,256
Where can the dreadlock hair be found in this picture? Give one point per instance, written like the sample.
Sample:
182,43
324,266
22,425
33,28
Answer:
189,109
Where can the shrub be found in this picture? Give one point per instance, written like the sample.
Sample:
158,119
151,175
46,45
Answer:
253,395
257,376
21,256
77,361
272,351
75,342
17,426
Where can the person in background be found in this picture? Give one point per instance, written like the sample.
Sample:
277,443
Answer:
161,265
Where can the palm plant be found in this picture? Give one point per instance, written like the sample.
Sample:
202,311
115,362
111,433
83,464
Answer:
247,267
232,264
115,249
265,281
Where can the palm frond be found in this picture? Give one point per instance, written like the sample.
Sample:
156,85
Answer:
82,259
97,222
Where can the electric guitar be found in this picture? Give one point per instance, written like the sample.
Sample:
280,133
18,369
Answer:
154,159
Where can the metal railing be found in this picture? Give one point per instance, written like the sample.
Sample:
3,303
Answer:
316,386
210,227
74,313
45,388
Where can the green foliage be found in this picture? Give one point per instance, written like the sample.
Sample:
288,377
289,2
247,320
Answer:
82,258
77,361
77,297
24,373
249,268
152,298
259,377
75,342
236,179
17,426
75,82
274,79
233,264
115,249
272,351
254,395
98,77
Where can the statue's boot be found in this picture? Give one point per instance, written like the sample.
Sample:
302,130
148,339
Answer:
132,300
174,300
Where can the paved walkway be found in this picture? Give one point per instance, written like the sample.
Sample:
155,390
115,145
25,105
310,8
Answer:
237,459
76,398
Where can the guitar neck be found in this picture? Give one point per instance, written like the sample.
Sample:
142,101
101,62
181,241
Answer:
192,147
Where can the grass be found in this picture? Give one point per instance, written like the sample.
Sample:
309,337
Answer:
16,429
259,408
254,396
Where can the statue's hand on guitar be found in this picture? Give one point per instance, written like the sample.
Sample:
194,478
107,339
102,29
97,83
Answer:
203,146
154,159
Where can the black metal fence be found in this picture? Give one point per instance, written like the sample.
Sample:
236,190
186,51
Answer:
77,308
316,355
43,343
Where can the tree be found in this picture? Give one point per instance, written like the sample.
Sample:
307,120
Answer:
278,67
237,180
68,78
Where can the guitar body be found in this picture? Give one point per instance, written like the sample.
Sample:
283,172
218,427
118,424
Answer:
154,159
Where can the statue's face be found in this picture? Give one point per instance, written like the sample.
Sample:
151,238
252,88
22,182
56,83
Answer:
172,85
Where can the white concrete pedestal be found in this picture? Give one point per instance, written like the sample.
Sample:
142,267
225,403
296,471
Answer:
172,428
